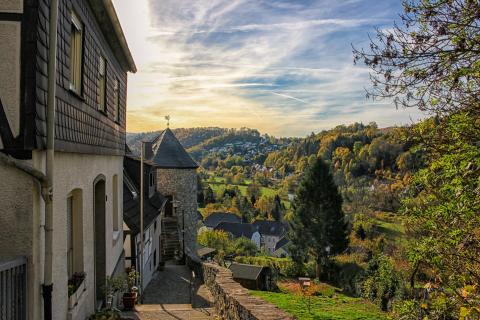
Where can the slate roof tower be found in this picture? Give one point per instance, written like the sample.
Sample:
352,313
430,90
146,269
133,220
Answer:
176,179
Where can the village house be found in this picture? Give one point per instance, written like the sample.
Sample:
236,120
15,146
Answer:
272,232
62,145
281,248
238,230
153,208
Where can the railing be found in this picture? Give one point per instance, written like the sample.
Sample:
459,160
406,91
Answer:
13,288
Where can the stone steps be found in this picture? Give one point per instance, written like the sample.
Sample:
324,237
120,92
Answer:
170,239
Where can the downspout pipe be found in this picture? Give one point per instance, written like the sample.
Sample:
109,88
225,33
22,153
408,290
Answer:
38,175
50,153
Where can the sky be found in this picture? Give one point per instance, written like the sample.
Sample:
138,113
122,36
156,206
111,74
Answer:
284,67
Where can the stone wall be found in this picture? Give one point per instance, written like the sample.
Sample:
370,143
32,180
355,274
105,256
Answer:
182,185
234,302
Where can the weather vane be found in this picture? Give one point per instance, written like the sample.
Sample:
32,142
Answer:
168,120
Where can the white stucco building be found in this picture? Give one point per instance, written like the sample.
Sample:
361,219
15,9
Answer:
154,208
62,214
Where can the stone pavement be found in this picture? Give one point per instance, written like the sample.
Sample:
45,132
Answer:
173,294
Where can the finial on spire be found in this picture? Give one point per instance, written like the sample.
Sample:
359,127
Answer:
168,120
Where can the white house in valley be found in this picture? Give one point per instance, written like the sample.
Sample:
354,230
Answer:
271,232
238,230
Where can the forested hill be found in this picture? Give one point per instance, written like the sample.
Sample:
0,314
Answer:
215,142
188,137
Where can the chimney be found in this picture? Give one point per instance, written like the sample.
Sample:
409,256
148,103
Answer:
148,152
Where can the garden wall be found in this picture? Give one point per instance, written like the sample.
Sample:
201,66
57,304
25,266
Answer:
234,302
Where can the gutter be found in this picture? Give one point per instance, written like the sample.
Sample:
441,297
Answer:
50,154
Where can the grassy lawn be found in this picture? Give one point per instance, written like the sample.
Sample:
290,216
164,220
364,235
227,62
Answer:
336,306
243,188
392,226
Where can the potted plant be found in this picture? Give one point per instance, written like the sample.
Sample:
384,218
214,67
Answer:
76,286
106,315
113,285
130,295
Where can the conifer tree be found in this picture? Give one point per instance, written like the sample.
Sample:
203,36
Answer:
318,226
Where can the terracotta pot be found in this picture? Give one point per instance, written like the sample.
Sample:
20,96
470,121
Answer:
129,299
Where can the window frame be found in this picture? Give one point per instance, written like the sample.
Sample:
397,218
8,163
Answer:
102,94
70,237
115,204
77,27
74,233
116,94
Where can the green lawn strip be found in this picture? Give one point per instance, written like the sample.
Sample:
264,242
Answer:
243,188
394,229
323,308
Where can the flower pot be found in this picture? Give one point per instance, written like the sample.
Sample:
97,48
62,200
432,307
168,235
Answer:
129,299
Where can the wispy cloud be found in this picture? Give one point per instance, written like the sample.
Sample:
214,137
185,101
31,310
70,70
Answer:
282,66
288,97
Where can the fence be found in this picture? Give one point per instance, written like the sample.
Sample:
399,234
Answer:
13,282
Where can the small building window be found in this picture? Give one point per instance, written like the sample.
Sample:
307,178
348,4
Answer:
102,84
76,54
70,237
115,221
74,233
116,95
151,179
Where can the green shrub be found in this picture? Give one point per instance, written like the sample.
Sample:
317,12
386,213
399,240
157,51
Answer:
436,306
381,283
364,228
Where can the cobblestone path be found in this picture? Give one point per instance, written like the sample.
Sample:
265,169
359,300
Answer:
172,296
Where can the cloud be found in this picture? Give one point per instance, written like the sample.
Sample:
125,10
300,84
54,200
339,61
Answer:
284,67
288,97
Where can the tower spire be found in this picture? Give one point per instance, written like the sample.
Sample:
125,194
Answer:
168,120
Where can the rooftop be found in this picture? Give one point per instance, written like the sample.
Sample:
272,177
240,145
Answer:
215,218
237,229
168,152
245,271
112,30
270,228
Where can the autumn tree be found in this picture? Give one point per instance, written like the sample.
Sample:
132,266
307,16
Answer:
254,192
318,224
431,61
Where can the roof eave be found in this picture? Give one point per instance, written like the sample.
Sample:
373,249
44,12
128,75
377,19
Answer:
104,9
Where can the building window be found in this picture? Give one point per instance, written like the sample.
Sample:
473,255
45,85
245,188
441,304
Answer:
76,54
151,179
74,233
102,84
116,94
115,221
70,237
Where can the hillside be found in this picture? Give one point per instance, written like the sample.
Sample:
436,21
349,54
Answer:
213,142
188,137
